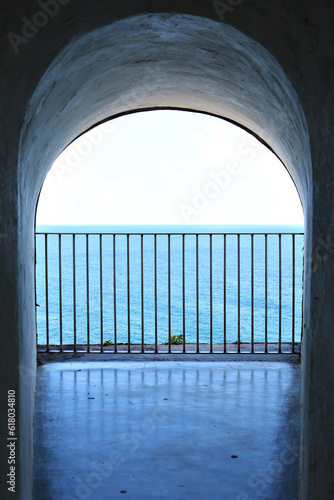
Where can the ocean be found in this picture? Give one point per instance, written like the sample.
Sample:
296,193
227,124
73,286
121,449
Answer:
156,314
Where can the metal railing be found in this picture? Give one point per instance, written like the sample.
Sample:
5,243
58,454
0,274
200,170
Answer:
169,292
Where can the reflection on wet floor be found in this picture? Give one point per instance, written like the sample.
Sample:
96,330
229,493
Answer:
168,430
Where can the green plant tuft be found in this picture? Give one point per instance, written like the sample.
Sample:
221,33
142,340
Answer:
175,339
108,342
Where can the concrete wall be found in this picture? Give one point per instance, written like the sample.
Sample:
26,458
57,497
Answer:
265,65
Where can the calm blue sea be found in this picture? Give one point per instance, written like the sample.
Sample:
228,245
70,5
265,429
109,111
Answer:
176,305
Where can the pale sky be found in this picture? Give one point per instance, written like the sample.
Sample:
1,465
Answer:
168,167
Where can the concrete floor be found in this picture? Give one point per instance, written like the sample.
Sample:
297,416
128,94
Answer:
182,430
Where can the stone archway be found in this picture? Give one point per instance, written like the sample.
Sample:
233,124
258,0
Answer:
149,62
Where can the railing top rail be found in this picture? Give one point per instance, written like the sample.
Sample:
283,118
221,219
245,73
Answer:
170,234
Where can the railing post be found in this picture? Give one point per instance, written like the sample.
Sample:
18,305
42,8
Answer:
142,293
87,288
74,298
239,339
211,312
280,294
47,296
266,293
225,325
155,295
101,292
183,294
293,289
197,297
60,298
252,293
115,293
169,298
128,285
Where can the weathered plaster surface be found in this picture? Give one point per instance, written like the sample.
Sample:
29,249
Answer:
267,65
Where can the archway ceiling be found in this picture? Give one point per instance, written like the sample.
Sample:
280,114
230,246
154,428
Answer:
156,61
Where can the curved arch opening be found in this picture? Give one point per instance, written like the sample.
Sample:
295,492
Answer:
192,168
169,172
